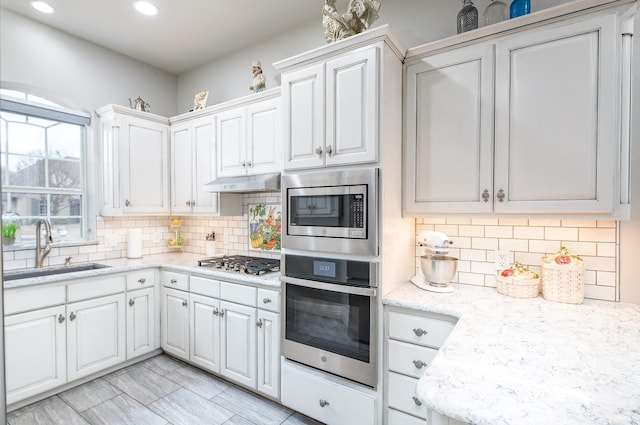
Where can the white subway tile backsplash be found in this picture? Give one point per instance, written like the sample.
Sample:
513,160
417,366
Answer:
473,255
561,233
484,243
544,247
581,248
524,232
598,235
472,231
605,249
513,245
498,231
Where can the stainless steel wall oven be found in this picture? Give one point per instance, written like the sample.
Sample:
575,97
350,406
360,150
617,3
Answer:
330,315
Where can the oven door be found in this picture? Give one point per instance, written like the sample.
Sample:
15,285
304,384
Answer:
331,327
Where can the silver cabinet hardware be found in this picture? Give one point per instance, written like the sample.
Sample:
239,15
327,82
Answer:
249,164
60,318
419,332
184,303
188,203
72,316
417,401
222,312
142,280
319,150
329,150
259,323
266,300
127,203
485,195
174,281
419,364
131,302
501,195
216,311
323,403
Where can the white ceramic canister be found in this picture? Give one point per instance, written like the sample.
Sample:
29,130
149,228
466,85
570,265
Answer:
134,243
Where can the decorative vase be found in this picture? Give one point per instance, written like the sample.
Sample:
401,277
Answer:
519,8
496,11
467,17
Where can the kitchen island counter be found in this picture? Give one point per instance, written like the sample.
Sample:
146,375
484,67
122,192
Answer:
530,361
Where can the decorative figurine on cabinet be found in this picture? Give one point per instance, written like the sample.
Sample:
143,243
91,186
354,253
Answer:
200,101
360,15
259,84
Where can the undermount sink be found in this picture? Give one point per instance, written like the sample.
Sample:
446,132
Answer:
50,271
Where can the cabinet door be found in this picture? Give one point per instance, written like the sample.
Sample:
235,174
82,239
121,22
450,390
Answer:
174,335
145,166
204,165
263,137
141,322
35,352
303,117
96,335
238,343
449,132
269,353
352,108
181,168
556,108
204,321
231,142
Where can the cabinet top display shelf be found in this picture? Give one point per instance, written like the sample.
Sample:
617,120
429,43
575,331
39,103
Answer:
544,16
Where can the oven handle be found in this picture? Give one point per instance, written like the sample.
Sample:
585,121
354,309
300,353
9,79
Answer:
345,289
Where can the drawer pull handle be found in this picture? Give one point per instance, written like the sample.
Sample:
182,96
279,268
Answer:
142,280
419,332
174,281
417,401
131,302
266,300
419,364
60,318
72,316
184,303
323,403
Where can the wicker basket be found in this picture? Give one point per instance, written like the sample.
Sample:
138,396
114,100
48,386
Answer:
518,288
563,282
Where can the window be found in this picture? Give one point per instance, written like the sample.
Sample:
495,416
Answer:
43,153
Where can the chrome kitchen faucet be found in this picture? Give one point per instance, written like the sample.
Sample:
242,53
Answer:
42,252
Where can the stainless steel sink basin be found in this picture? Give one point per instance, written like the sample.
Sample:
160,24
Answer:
50,271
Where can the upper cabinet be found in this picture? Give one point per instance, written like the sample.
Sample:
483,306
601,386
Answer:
532,122
249,138
135,162
331,101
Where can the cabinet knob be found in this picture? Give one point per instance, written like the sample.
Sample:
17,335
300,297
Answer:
249,164
417,401
222,312
72,316
329,150
319,150
216,311
259,323
419,364
188,203
127,203
131,302
419,332
193,203
266,300
142,280
60,318
323,403
501,195
485,195
174,281
184,303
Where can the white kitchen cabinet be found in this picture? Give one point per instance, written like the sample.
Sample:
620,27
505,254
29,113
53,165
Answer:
96,335
134,149
531,122
331,111
249,139
238,343
268,352
35,352
175,323
141,322
204,332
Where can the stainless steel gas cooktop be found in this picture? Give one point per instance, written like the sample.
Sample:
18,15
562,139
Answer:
241,264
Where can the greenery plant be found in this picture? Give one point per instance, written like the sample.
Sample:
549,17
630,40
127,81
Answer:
9,230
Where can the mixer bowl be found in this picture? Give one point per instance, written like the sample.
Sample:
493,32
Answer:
438,269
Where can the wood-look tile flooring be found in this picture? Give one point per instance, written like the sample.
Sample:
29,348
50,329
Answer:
157,391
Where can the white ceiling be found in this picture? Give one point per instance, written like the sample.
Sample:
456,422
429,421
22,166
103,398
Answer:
186,33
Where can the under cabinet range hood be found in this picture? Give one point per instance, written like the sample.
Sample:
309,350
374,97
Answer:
245,184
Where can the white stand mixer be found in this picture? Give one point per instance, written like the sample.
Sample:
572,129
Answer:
437,268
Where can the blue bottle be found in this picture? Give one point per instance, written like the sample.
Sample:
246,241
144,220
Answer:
519,8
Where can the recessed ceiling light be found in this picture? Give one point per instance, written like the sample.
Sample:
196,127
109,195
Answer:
42,7
146,8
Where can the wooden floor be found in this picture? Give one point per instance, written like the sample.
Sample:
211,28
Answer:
157,391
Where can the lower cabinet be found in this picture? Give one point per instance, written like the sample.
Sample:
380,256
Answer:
238,343
141,322
175,323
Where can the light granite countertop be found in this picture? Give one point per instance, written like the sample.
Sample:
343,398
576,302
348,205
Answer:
530,361
180,262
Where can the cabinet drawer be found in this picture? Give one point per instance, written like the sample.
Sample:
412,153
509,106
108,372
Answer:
241,294
409,359
173,280
269,300
399,418
402,395
98,287
419,329
323,399
204,286
140,279
19,300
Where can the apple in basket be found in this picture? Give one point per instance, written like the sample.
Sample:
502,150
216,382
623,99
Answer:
563,256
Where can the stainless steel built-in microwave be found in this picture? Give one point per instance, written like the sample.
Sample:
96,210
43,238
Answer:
332,211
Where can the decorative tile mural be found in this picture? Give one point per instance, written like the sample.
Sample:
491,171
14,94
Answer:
265,225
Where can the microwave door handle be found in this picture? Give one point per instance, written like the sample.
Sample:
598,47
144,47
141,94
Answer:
345,289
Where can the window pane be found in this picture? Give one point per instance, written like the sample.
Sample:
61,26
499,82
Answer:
25,171
66,205
65,141
66,228
28,204
64,174
25,138
41,122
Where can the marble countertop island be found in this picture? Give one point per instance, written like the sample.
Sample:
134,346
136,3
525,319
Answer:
531,361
